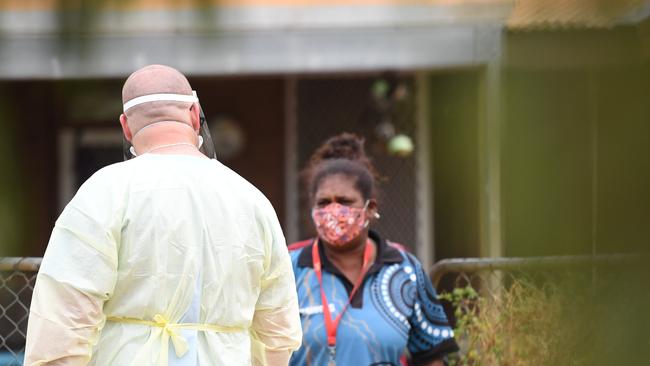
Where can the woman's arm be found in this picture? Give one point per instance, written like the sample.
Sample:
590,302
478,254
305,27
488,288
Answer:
431,337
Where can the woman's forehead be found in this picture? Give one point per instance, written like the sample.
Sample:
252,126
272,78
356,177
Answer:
337,184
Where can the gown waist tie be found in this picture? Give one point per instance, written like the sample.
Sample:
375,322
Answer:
170,332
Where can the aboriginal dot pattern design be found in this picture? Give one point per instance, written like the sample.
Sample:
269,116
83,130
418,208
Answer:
407,301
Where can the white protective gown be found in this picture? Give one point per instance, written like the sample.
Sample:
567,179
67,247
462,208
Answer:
165,260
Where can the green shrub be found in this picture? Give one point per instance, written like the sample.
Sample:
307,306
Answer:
523,322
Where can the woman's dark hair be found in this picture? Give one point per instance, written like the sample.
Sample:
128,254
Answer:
342,154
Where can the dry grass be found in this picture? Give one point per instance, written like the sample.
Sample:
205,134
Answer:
523,323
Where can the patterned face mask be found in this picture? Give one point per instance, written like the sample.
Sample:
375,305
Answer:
338,224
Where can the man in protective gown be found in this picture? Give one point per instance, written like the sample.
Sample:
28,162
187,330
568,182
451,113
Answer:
169,258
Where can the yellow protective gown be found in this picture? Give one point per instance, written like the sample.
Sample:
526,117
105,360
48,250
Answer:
165,259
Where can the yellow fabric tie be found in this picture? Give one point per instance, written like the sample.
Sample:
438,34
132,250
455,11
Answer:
170,331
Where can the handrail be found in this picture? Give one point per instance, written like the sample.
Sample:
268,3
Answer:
22,264
439,269
445,266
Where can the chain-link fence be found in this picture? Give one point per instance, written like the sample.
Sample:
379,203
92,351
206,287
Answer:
575,310
506,311
17,278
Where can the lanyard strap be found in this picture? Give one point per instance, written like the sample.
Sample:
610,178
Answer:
332,325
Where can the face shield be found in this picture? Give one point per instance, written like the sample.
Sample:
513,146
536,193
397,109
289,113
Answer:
206,148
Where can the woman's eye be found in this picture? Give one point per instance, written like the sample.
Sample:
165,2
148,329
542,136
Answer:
345,201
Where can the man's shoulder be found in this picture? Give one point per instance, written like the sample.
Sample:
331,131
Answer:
234,178
239,184
107,175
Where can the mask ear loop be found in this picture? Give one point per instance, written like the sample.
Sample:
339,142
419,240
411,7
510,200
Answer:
365,208
376,214
132,151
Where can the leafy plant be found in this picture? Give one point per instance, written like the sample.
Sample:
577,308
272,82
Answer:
522,322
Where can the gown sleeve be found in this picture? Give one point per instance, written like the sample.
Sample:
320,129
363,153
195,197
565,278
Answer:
76,277
276,327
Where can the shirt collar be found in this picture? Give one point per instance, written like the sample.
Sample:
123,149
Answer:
386,254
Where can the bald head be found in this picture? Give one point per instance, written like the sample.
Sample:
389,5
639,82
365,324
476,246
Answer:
156,79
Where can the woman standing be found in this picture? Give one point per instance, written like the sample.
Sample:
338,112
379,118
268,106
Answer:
363,300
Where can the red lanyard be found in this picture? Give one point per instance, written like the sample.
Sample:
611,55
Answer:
332,325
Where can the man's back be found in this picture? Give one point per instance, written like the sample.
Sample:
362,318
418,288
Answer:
183,253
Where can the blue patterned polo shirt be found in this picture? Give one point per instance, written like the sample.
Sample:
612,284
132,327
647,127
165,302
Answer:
395,312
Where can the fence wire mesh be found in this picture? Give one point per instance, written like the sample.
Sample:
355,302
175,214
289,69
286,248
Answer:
546,310
17,279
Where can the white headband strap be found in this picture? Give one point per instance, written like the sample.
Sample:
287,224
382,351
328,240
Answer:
160,97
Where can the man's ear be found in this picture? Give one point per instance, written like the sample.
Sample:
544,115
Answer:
125,128
195,117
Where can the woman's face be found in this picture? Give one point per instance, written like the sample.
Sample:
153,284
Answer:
341,189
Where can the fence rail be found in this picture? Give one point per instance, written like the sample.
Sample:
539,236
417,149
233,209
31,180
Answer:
22,264
511,264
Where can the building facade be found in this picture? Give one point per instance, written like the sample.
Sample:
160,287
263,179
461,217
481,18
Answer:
529,126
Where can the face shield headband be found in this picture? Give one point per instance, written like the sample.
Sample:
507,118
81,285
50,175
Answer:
207,148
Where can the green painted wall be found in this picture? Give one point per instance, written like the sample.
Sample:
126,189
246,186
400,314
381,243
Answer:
576,157
574,147
546,164
454,114
622,120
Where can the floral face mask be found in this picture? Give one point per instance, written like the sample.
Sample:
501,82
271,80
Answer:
338,224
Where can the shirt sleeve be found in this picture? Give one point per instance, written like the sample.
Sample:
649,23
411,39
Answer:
76,277
276,325
431,336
